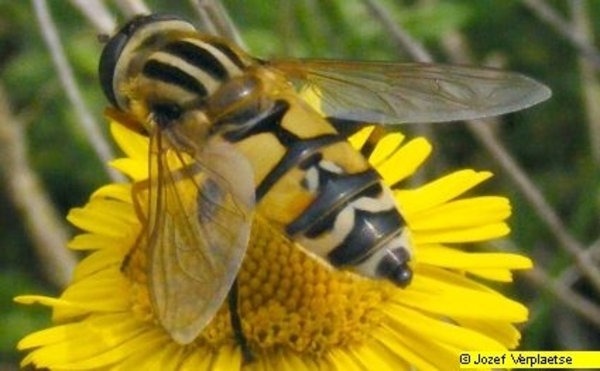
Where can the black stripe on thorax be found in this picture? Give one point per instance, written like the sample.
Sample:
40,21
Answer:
173,75
229,53
199,57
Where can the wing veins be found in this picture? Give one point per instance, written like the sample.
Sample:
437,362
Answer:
393,93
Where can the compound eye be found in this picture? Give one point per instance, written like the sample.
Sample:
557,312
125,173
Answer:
108,62
113,51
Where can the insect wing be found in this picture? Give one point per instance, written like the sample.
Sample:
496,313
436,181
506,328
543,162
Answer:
393,93
199,226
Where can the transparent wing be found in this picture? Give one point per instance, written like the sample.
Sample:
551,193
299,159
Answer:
199,224
393,93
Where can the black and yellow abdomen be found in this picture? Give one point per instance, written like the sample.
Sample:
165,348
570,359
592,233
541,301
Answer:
322,192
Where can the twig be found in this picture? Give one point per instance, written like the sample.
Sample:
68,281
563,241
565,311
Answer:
399,36
31,200
133,7
93,134
560,288
565,295
485,135
571,274
546,213
216,21
537,201
206,23
589,81
97,14
545,13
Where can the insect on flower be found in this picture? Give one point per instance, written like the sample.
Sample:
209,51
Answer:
231,139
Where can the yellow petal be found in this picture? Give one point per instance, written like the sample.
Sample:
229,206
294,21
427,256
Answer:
376,356
503,332
120,192
385,148
474,234
91,344
107,217
102,292
405,161
134,145
39,299
100,260
440,190
464,213
438,291
443,256
131,167
500,275
93,242
142,351
359,138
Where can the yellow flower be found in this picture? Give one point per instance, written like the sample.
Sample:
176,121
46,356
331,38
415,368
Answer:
296,313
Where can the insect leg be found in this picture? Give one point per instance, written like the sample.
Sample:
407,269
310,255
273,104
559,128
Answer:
136,191
236,323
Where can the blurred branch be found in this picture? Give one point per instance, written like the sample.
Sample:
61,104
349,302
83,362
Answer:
561,288
41,219
215,20
546,13
488,139
97,14
579,304
454,47
589,81
399,36
571,274
539,204
133,7
67,79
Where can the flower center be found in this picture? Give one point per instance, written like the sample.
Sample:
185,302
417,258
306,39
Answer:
288,299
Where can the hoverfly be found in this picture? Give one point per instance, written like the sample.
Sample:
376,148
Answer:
230,136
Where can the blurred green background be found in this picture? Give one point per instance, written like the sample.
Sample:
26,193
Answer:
552,142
